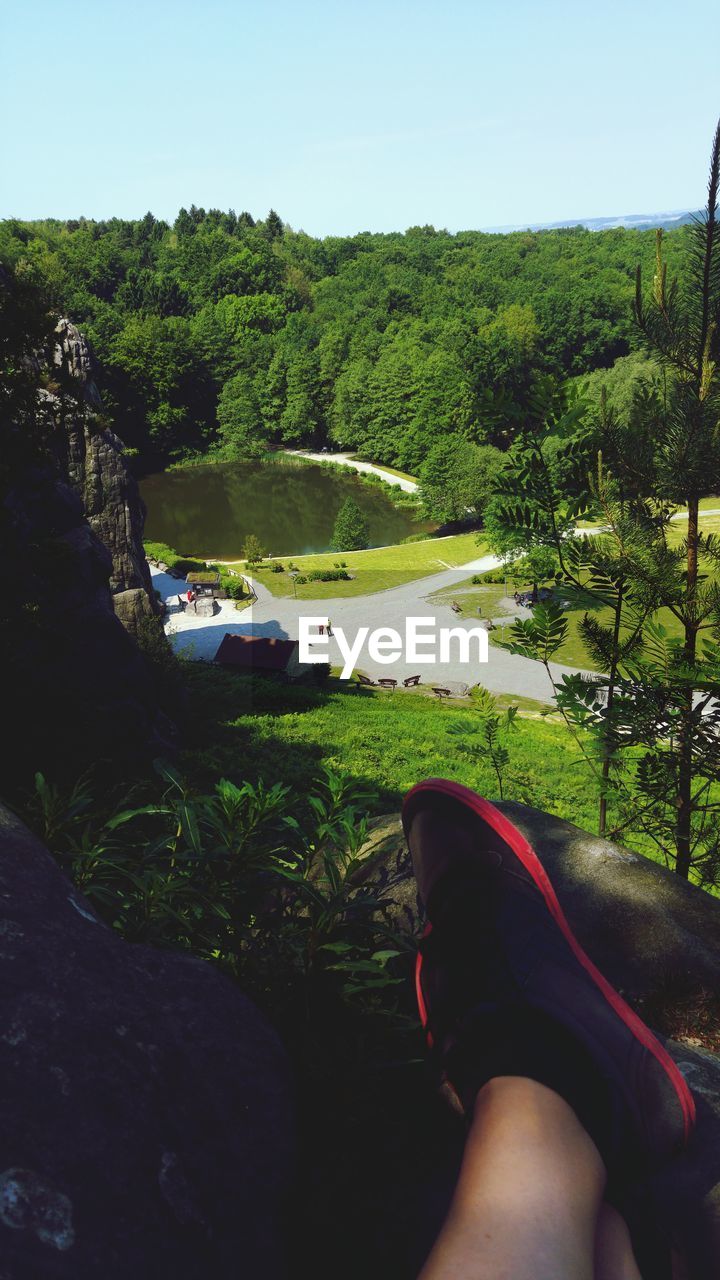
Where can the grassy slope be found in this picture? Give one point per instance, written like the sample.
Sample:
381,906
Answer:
374,570
244,727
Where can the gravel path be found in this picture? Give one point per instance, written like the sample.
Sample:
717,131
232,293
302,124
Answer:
344,460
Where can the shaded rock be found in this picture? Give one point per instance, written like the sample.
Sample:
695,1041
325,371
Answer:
132,607
641,923
144,1102
77,688
649,932
91,455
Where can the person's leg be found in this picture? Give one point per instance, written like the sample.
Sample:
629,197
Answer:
530,1190
614,1256
533,1044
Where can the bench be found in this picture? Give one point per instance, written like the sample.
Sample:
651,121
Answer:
411,682
361,679
388,683
456,608
442,693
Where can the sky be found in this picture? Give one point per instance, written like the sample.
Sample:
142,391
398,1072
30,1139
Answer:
352,117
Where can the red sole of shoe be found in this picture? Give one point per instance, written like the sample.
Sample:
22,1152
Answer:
532,864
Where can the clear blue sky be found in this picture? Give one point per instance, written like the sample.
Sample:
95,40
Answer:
347,117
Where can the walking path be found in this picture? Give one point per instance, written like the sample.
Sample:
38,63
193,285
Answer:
278,616
344,460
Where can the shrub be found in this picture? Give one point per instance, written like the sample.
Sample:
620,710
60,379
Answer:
327,575
180,564
301,578
277,567
249,876
253,549
234,587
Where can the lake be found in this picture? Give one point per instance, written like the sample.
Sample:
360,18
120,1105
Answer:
291,506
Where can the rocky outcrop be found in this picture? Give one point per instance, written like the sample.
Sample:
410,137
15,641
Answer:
91,456
77,691
658,940
144,1102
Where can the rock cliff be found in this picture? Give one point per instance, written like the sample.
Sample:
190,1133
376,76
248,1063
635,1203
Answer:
90,455
77,690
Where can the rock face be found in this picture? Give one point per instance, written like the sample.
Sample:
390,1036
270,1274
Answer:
651,934
77,689
144,1102
91,456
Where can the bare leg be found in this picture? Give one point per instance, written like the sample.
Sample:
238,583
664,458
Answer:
614,1257
529,1194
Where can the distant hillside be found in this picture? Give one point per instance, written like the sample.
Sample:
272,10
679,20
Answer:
220,332
635,221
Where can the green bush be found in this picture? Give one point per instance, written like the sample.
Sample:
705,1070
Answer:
249,876
300,579
178,563
234,587
493,575
326,575
277,567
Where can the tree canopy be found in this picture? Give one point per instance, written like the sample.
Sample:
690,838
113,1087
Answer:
225,331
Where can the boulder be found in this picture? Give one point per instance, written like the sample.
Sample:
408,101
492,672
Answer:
657,939
144,1102
132,607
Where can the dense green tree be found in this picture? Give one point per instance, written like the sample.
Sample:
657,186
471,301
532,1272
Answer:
351,532
382,342
253,550
240,423
458,478
273,226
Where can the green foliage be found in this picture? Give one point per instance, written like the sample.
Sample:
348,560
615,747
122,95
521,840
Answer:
223,329
485,736
253,550
540,636
326,575
457,478
246,875
351,531
161,552
234,587
656,705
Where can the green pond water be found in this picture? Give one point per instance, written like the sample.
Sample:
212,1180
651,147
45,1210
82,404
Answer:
291,507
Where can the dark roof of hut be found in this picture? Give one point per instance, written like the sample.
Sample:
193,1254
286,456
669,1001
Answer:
264,653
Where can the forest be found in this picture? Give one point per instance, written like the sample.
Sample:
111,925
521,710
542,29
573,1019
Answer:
224,335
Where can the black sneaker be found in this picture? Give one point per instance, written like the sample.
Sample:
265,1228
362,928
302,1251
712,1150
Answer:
504,987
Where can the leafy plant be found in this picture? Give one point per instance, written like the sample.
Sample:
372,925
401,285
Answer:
235,876
486,734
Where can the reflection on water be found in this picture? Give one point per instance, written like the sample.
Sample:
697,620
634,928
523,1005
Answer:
290,506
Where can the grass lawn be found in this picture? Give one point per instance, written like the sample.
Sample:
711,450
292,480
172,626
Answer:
373,570
476,600
573,652
708,524
392,471
242,726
